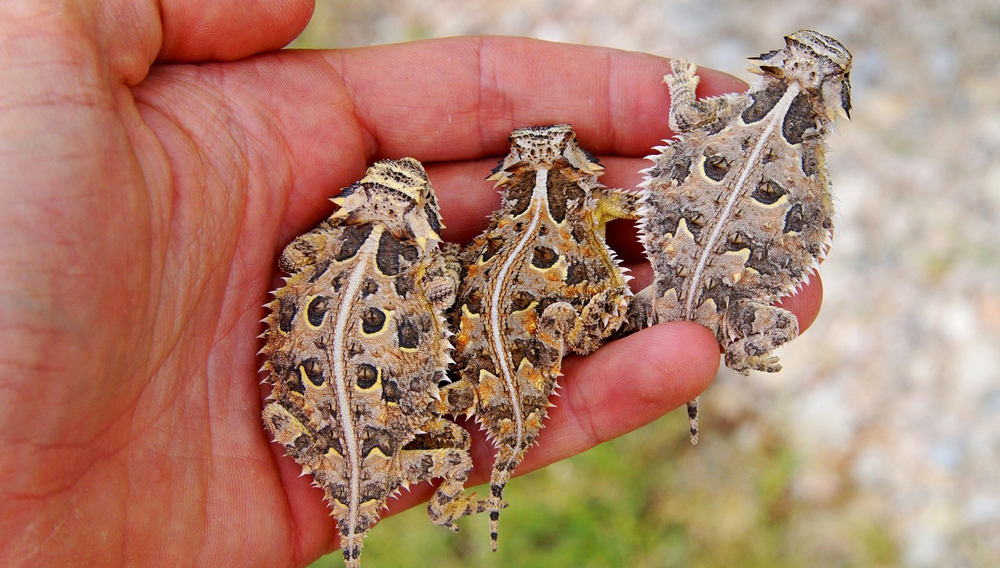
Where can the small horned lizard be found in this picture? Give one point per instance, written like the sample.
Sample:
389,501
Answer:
736,211
540,280
356,344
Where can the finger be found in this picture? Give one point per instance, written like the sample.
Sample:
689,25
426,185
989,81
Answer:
623,385
130,35
225,30
471,92
805,302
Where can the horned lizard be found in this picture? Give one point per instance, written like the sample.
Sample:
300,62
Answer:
356,344
736,211
539,281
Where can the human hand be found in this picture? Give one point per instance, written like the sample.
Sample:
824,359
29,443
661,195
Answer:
143,205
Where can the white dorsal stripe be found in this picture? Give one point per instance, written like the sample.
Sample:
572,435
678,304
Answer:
365,255
772,120
538,203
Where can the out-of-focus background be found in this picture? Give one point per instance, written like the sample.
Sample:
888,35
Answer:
879,442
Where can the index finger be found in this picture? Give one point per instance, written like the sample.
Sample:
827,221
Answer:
459,98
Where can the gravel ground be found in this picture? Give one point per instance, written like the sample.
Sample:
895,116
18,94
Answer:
892,399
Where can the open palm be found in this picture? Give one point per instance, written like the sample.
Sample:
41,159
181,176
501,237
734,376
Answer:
142,206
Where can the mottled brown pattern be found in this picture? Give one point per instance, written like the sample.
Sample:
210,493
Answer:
356,344
736,211
540,281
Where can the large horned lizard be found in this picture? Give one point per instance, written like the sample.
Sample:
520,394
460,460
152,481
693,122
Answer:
356,345
540,280
736,211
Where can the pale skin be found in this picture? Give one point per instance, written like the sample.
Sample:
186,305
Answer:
143,201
